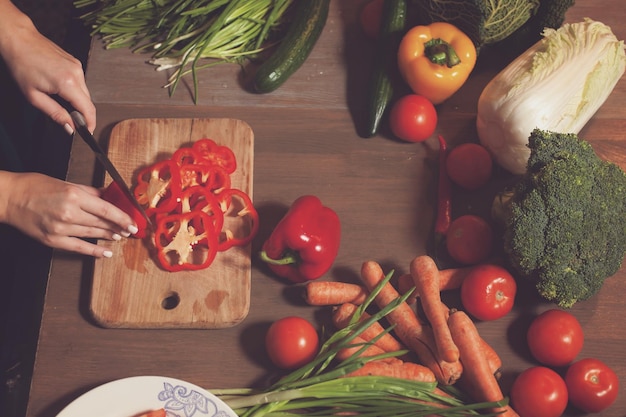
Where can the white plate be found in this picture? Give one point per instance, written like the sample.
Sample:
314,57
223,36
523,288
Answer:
132,396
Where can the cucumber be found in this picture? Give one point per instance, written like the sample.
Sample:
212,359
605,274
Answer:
304,31
392,25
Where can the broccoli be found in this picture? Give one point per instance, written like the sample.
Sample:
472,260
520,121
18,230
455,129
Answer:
565,220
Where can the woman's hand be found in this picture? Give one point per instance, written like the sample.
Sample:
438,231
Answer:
59,214
42,69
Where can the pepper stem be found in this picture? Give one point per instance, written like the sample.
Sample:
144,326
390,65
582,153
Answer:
287,259
441,52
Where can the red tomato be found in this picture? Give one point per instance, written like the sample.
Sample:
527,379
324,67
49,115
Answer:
555,337
369,18
469,239
469,165
539,392
413,118
592,385
291,342
488,292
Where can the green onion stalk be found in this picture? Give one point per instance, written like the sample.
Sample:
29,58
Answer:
186,35
324,387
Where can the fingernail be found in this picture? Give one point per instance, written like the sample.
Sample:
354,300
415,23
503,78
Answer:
68,129
125,233
107,254
116,236
133,229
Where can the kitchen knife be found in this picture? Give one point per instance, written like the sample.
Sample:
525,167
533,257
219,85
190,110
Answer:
81,128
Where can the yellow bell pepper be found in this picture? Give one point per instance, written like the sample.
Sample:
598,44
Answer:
436,60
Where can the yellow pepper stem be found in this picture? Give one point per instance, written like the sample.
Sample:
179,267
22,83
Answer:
441,52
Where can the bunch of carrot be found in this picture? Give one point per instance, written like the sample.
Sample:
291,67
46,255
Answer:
445,342
328,387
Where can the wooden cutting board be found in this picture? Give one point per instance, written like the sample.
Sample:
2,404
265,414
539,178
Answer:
130,290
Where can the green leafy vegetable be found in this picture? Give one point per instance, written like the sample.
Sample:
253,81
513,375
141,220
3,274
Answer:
186,35
558,84
484,21
550,14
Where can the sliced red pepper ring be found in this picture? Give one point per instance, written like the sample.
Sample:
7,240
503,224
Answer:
186,241
223,157
192,175
241,220
219,180
214,154
186,156
200,199
157,187
204,146
196,213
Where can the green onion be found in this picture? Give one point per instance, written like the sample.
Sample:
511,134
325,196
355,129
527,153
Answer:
183,34
323,389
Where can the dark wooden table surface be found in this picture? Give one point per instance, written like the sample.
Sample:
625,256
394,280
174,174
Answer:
306,142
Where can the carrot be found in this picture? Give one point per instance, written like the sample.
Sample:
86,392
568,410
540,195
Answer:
371,350
405,284
449,279
396,369
386,342
495,362
154,413
410,331
426,279
325,293
476,370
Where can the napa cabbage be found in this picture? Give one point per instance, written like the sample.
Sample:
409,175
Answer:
558,84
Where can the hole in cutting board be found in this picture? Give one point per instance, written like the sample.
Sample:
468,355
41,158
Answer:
171,301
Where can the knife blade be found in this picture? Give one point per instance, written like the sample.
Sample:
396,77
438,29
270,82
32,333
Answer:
85,134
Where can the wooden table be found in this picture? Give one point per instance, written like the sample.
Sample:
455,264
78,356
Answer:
305,143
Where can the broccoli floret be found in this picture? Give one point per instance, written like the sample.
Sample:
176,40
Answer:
565,222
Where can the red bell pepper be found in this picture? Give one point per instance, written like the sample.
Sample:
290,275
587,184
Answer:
158,187
196,212
192,175
200,199
305,243
185,156
215,155
114,195
186,241
241,220
219,180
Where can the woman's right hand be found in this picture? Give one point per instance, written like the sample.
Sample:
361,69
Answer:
42,69
61,214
